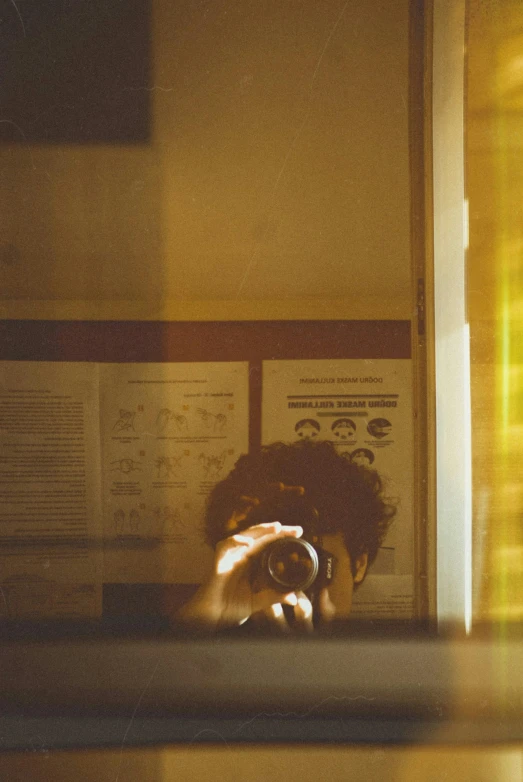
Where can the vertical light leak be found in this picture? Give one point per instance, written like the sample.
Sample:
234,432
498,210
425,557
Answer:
506,546
465,224
467,478
501,538
467,447
504,350
500,563
495,261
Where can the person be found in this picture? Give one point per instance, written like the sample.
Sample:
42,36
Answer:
352,519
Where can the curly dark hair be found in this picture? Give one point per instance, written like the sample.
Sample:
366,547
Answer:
349,498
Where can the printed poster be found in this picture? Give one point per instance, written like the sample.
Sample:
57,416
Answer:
50,510
169,433
364,407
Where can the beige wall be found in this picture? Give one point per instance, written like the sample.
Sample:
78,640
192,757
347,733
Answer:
276,182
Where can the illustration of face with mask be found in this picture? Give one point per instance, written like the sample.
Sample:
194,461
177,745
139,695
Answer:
307,429
379,428
344,429
362,457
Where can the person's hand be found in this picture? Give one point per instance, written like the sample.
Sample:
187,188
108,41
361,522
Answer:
301,618
302,615
228,597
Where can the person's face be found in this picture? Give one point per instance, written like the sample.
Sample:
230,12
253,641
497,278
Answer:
336,600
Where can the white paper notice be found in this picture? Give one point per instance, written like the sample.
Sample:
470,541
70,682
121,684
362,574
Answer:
363,406
50,513
169,433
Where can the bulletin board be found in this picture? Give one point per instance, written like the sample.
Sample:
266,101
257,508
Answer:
155,396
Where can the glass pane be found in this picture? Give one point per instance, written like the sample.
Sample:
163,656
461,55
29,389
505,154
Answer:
264,205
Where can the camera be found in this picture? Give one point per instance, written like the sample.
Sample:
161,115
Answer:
293,564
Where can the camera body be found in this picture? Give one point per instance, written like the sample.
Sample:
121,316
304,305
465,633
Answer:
292,564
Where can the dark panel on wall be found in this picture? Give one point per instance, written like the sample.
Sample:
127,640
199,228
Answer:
253,341
75,71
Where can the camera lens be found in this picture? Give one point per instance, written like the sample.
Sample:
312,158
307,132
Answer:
292,564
